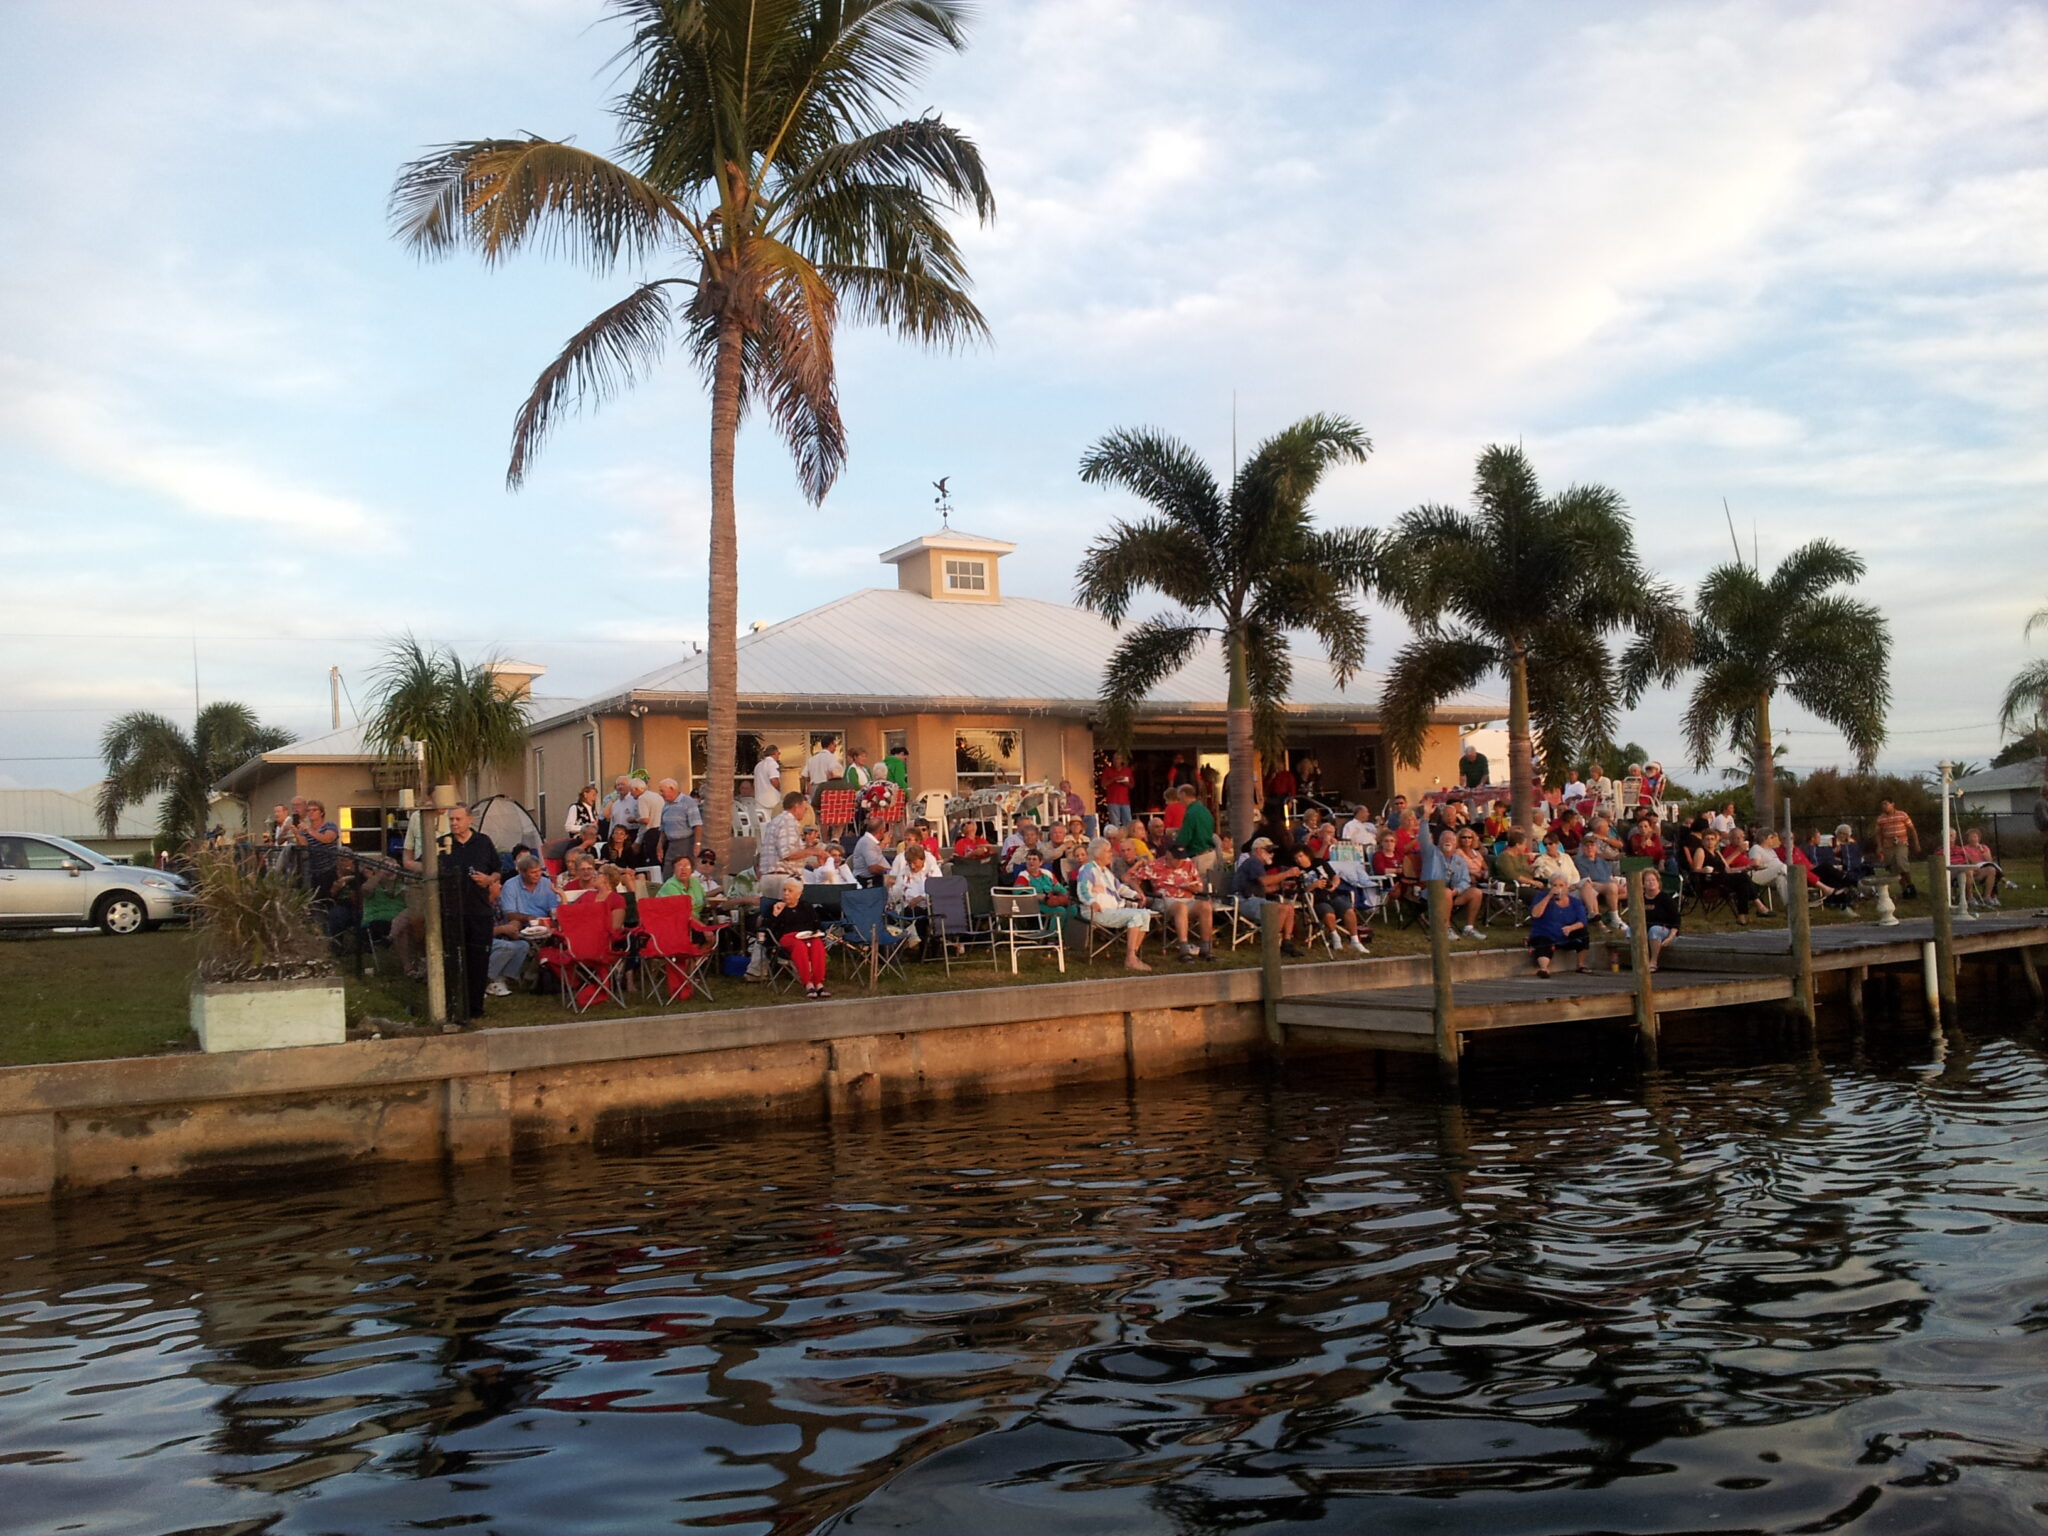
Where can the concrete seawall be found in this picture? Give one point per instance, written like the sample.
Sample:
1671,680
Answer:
78,1126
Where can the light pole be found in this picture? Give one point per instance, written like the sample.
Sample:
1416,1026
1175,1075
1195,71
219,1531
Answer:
1962,907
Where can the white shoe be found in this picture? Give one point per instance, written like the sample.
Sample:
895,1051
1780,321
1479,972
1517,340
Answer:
1469,932
1623,927
497,989
1358,944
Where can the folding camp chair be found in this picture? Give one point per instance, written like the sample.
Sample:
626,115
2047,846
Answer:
672,960
869,939
781,969
1504,903
952,921
1023,923
836,810
584,962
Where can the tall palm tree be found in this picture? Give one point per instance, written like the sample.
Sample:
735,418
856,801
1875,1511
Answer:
1756,637
2024,709
146,754
459,719
1248,566
1530,587
757,155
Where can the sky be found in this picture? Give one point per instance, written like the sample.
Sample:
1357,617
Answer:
1790,255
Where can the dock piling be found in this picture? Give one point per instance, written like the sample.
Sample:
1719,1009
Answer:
2032,972
1444,1003
1930,983
1269,972
1944,929
1639,959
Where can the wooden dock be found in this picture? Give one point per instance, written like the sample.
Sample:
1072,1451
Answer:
1719,970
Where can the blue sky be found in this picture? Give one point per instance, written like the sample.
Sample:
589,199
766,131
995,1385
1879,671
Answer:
1787,254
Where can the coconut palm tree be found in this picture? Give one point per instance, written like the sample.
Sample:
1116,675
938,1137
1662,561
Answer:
758,156
459,719
1530,587
1247,566
2024,709
1755,637
145,754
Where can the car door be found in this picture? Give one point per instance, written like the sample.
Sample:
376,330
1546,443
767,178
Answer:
46,889
15,893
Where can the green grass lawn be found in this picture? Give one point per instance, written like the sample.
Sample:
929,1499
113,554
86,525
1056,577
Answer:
85,996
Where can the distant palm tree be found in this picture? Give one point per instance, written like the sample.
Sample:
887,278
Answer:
1530,587
458,719
461,717
1754,638
146,754
2024,709
1251,564
759,155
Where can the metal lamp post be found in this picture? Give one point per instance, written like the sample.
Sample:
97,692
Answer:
1962,906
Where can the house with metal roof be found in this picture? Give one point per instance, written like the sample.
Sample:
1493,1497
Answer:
974,687
2003,791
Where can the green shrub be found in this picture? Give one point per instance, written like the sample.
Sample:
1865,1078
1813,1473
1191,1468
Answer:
255,924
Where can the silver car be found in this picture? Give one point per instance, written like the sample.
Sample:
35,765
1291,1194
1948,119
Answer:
52,882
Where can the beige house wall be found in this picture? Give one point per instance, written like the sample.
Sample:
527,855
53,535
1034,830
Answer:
924,573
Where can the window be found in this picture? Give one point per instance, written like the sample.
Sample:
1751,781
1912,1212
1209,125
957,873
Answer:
1369,766
540,793
988,757
966,575
743,760
895,743
363,828
590,757
34,853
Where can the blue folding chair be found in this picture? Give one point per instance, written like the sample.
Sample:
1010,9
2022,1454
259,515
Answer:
869,939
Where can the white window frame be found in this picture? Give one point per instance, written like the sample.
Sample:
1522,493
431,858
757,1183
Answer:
965,575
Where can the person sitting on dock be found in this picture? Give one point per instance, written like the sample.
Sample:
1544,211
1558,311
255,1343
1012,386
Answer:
1660,914
1329,898
1254,881
799,928
1175,886
1553,863
1050,889
1557,920
1467,895
1985,876
1513,867
1361,830
1841,868
1106,902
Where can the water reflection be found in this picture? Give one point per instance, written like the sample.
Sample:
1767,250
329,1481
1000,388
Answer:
1775,1299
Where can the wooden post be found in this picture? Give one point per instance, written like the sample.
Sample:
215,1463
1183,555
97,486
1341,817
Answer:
1944,929
2033,974
1639,958
1440,981
1269,971
1856,979
1799,929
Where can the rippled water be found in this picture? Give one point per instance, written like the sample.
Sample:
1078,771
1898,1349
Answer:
1781,1299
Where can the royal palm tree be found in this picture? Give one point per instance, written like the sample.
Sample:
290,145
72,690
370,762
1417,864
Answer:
1248,567
1531,587
145,754
2024,709
458,719
758,155
1755,637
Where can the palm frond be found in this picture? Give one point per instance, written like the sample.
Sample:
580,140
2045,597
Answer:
1427,670
1145,656
1281,474
1814,567
144,754
606,356
1723,699
2023,706
1163,471
1151,552
1269,676
499,195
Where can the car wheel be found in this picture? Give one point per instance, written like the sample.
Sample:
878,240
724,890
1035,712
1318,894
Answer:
121,914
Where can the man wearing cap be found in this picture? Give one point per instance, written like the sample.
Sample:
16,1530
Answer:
1253,883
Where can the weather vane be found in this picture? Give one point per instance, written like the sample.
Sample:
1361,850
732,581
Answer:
943,501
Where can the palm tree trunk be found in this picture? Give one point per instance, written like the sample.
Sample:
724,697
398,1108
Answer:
1764,771
721,656
1521,747
1244,772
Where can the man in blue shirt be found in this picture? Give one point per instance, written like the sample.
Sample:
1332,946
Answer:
680,819
1254,881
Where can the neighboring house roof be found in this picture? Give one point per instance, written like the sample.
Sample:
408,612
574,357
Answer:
946,538
2026,775
344,744
74,813
899,650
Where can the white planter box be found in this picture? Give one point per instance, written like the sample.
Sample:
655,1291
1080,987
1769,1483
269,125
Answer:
263,1015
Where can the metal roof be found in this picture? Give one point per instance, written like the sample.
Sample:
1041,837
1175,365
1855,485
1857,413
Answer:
946,538
897,650
2012,776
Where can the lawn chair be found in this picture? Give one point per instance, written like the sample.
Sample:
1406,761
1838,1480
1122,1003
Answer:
952,921
869,939
672,960
1232,922
836,809
781,969
1504,903
1023,923
586,966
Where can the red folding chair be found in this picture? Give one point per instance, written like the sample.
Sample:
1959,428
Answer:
836,809
584,962
671,958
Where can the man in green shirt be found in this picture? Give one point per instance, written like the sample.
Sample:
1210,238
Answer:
1197,833
897,767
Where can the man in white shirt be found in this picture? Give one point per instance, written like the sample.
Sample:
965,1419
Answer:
1360,829
648,806
782,837
822,766
621,806
768,781
869,863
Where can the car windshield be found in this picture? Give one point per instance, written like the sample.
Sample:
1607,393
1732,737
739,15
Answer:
78,851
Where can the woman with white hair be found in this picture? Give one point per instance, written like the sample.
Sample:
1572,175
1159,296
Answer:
799,928
1108,903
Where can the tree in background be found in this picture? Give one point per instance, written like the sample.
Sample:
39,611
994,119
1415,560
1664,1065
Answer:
2024,709
457,719
145,754
1756,637
1529,587
758,154
1247,566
